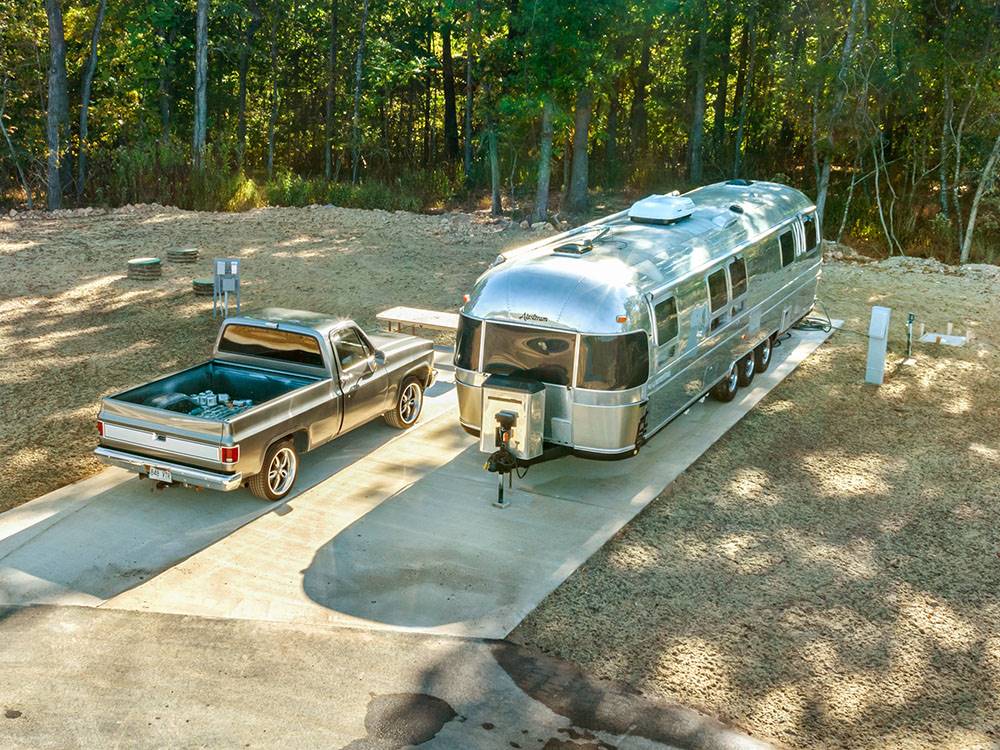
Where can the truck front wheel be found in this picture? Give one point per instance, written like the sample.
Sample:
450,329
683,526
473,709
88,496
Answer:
409,403
278,472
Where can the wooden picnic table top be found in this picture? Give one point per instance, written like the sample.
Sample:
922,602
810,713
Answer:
415,316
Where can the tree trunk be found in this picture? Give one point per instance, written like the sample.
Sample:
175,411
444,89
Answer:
57,115
612,167
544,165
698,114
985,182
272,121
744,79
637,117
200,86
846,52
450,109
88,80
491,143
722,87
355,117
10,147
241,118
578,201
946,115
469,57
331,92
166,79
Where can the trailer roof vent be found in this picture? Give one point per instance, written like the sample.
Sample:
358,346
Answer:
574,248
740,182
661,209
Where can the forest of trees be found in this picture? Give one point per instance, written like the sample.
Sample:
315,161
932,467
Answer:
886,113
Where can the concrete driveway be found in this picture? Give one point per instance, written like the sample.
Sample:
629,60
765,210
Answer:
388,530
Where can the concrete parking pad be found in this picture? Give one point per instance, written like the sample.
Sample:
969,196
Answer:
390,531
85,677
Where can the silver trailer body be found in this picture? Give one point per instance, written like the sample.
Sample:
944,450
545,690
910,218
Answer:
628,321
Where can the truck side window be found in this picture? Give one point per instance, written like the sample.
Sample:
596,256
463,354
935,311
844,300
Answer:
665,312
738,277
787,240
351,350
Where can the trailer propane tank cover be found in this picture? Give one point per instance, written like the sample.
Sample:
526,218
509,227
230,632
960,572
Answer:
878,339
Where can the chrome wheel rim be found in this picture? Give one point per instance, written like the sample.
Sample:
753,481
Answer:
734,378
281,472
765,352
748,368
409,403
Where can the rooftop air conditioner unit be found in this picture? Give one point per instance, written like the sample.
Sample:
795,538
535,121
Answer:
661,209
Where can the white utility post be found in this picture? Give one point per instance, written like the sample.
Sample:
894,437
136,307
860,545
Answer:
878,340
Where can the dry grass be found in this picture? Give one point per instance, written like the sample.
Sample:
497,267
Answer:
72,328
825,576
828,574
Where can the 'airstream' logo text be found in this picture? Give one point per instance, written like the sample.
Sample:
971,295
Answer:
532,316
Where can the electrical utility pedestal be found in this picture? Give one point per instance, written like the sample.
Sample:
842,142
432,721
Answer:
878,341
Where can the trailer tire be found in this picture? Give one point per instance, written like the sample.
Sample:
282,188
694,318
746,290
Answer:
762,354
278,472
747,369
409,404
725,389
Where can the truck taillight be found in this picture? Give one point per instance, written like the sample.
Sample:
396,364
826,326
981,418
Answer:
230,454
100,428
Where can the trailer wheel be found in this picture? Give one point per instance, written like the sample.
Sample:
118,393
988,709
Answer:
747,368
278,472
725,389
762,355
409,403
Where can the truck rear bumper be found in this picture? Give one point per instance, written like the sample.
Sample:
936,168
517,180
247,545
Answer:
181,474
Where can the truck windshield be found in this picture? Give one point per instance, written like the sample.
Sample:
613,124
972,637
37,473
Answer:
270,343
529,353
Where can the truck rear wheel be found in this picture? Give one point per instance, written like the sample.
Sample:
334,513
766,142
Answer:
278,472
409,404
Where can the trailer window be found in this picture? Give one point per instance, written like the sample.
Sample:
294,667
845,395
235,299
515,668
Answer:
271,343
811,229
613,363
467,342
738,277
787,241
529,353
666,320
718,294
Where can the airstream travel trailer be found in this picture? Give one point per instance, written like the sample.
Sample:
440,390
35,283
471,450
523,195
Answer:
601,335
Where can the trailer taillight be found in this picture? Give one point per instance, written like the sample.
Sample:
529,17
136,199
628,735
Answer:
100,428
230,454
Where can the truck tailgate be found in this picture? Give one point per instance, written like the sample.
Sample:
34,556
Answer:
160,434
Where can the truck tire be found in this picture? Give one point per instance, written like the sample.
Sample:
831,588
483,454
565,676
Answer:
725,389
762,354
747,369
409,403
278,472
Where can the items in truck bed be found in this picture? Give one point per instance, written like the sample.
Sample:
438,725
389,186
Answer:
207,404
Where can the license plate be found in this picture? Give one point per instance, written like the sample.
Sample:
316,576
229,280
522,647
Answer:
160,475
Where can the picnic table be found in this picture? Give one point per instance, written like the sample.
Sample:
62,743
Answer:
415,317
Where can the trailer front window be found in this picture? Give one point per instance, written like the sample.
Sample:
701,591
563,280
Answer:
529,353
613,363
470,332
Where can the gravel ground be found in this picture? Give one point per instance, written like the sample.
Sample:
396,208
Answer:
827,574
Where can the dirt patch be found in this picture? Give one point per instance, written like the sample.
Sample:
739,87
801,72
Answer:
826,574
73,328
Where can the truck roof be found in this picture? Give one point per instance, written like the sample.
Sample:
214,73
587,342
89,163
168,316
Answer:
287,318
